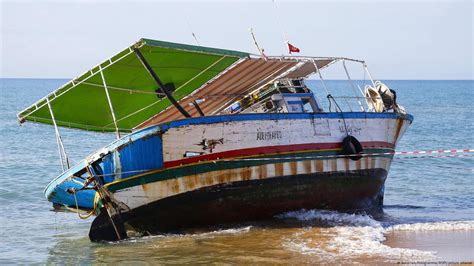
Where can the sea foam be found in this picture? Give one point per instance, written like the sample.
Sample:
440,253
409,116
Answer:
353,236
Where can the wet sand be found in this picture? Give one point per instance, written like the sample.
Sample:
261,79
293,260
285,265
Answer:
451,246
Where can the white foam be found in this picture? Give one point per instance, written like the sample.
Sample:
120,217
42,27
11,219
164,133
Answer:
231,231
352,236
211,234
368,241
300,243
436,226
331,217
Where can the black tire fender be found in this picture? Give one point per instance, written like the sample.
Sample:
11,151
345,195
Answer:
352,146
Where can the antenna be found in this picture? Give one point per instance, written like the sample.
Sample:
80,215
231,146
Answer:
260,51
291,48
278,21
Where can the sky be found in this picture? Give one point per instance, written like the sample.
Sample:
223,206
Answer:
398,39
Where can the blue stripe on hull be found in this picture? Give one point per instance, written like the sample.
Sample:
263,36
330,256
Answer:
283,116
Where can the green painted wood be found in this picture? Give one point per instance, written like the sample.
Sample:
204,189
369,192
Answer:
131,88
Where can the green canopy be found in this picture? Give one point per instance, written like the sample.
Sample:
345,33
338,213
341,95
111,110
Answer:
82,102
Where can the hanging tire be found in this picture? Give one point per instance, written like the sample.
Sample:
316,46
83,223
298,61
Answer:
352,146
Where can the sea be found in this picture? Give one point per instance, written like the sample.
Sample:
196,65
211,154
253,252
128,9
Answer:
428,213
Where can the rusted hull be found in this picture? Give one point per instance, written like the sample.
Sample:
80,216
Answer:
220,169
360,190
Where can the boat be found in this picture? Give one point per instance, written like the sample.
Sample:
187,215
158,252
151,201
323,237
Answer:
208,136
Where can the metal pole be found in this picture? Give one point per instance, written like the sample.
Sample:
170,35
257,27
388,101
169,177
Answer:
368,73
117,133
59,141
260,50
201,113
352,84
324,85
320,77
160,84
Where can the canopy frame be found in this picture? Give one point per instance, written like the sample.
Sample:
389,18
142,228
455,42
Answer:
119,117
63,158
53,95
117,132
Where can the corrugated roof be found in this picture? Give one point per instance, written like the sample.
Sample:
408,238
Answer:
247,75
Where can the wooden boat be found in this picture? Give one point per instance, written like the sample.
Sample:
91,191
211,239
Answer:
216,136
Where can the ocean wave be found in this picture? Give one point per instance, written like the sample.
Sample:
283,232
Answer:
349,243
434,226
352,236
331,217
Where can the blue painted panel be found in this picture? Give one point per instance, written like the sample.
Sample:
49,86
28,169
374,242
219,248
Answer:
107,166
142,154
141,151
85,198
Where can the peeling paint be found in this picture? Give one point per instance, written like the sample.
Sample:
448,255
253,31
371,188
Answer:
137,196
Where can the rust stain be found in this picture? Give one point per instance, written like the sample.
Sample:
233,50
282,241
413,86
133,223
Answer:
246,173
197,180
189,182
262,171
398,129
346,164
208,178
279,169
319,166
235,176
145,188
307,166
293,168
334,165
219,177
229,177
174,185
358,164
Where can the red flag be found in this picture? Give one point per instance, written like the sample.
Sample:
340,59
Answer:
293,49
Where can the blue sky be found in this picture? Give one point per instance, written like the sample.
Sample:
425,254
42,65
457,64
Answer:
398,39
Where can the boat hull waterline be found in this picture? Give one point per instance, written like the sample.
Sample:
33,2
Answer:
220,169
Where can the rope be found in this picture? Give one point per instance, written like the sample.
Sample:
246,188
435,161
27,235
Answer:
77,209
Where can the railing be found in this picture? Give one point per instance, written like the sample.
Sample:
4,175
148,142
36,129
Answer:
359,100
